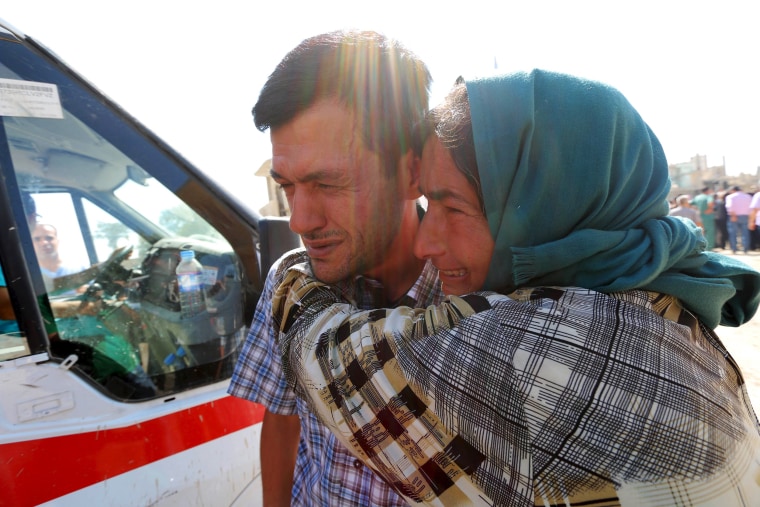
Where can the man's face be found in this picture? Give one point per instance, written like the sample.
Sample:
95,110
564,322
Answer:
343,206
45,241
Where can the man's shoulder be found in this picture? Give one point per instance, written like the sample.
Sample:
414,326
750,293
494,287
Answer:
741,196
287,260
276,273
70,269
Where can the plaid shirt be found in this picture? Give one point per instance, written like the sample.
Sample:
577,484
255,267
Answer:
575,397
326,473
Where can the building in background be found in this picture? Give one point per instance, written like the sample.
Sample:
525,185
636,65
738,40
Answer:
278,204
689,177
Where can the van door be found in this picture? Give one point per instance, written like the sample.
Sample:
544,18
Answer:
105,381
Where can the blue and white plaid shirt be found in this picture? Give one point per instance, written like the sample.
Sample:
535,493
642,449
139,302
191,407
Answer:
326,473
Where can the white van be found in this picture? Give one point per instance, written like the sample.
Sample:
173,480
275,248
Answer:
110,396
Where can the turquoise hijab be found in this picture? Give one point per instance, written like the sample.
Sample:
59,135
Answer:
575,188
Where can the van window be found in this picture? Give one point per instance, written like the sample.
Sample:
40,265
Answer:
114,212
12,342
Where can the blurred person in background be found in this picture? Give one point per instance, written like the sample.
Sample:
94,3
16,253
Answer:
704,205
737,207
721,220
754,220
683,209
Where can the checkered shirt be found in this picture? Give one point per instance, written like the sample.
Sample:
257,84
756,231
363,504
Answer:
326,473
575,398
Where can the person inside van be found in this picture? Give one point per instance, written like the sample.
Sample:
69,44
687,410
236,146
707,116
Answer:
8,323
52,264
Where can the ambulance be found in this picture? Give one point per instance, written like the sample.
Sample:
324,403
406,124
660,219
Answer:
110,393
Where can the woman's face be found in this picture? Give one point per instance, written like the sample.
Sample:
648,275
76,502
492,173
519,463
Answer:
454,233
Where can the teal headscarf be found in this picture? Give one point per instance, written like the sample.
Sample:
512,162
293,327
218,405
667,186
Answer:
575,188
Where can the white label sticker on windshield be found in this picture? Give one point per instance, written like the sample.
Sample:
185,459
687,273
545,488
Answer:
30,99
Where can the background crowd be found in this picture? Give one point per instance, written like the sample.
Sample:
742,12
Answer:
729,218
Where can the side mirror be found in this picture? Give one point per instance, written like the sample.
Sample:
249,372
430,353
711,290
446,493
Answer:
275,239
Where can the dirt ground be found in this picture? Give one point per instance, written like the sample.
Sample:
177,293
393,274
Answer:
743,342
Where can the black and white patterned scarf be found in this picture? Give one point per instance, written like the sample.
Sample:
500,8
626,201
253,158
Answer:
549,395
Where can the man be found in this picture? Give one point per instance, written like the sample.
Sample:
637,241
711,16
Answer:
341,109
45,237
754,218
704,204
720,216
737,206
684,209
8,323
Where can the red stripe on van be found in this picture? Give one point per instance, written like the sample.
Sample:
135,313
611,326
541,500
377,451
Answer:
37,471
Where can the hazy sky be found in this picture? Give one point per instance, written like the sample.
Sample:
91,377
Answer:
191,70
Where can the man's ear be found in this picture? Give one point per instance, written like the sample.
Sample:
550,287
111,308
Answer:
409,175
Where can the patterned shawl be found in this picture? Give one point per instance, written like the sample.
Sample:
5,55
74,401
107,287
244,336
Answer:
558,395
575,186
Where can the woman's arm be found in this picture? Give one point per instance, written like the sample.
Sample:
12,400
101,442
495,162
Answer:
389,384
557,386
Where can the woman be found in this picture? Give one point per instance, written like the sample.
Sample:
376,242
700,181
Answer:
598,379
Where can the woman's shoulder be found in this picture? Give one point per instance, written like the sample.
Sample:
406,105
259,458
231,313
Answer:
664,305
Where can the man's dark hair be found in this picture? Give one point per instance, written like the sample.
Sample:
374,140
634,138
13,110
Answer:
367,72
451,122
30,207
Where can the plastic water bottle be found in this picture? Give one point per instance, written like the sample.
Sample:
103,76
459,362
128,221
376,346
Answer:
190,281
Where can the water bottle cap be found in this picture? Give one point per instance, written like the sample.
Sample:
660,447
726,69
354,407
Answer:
186,254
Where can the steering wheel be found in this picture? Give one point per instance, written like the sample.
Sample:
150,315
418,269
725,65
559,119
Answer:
109,271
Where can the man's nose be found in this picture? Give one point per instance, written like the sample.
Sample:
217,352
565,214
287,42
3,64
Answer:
306,212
